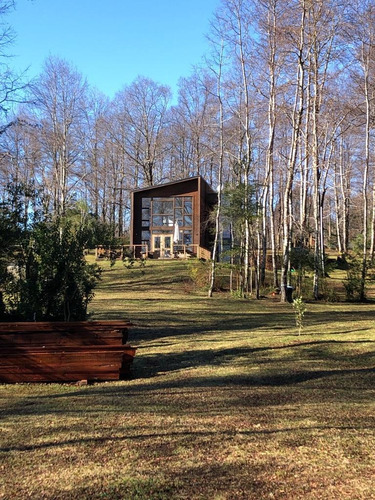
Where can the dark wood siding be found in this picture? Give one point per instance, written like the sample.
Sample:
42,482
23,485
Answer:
203,200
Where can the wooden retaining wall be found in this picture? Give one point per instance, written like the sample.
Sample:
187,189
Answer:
64,352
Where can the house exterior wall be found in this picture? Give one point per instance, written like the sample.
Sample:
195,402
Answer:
202,196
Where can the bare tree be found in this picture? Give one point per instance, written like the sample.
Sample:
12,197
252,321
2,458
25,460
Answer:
270,15
218,72
193,127
95,163
142,109
364,37
233,25
296,123
59,97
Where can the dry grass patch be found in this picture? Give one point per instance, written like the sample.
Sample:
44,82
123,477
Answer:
226,402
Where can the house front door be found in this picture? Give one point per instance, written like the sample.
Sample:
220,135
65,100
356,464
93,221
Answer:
162,245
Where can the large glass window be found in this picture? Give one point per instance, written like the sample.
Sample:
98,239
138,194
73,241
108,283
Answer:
159,215
169,211
162,212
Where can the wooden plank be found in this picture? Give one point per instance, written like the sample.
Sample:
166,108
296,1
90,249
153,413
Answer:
29,339
72,365
76,333
64,326
16,378
89,349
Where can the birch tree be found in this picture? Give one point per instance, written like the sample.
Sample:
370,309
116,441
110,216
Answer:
234,26
270,14
364,37
323,25
295,117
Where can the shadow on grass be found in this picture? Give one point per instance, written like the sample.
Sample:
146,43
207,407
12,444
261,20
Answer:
173,321
318,386
149,365
129,436
203,481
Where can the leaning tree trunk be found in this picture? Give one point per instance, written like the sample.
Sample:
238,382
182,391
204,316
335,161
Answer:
220,176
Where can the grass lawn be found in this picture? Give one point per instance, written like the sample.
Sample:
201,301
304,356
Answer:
226,402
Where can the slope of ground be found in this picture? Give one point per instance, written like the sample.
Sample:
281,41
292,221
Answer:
226,402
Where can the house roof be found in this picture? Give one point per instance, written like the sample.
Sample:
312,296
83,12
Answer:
179,181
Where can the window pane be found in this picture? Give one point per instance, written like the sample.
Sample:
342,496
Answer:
157,242
188,207
178,216
157,220
168,221
161,231
145,236
178,202
188,220
188,238
162,207
145,214
162,220
146,202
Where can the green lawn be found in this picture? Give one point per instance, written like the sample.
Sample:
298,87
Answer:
226,402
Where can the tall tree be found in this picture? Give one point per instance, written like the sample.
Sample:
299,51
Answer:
323,24
366,54
233,26
59,101
218,72
298,35
142,108
12,86
192,131
270,15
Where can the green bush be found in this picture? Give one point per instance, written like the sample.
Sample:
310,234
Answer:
354,285
56,283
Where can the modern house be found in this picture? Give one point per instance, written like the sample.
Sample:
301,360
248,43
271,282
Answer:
172,220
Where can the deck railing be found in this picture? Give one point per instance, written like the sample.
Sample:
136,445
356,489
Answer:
141,251
203,253
118,253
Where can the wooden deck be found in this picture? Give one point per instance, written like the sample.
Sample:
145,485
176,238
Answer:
141,251
64,352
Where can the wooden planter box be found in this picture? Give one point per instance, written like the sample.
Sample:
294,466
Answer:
64,352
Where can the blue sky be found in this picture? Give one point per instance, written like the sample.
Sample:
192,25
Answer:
111,42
